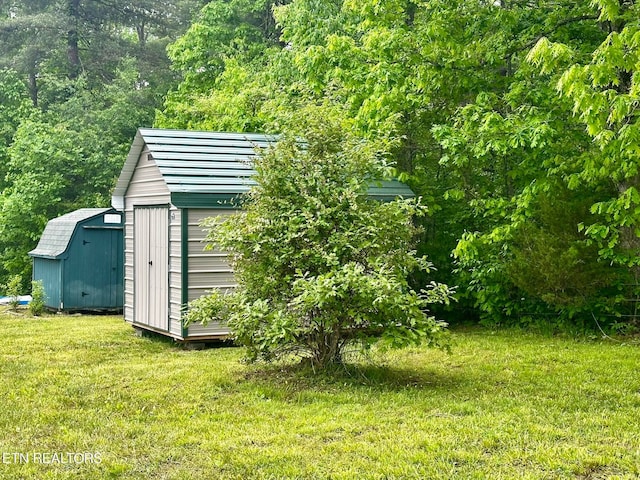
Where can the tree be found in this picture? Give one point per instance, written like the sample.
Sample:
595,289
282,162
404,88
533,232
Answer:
319,265
223,58
14,107
67,158
51,40
511,154
85,76
604,91
52,170
501,158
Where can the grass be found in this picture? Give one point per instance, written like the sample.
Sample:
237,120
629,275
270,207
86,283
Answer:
504,404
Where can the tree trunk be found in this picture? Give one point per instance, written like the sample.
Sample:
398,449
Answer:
142,35
33,87
73,50
328,348
630,244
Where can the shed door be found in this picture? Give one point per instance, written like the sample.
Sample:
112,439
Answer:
151,267
94,270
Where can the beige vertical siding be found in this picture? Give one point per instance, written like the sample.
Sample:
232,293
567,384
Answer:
145,188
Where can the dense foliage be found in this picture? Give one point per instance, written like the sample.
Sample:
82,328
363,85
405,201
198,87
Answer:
321,266
517,122
77,78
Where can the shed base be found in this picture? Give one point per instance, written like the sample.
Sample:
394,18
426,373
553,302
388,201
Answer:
215,339
86,311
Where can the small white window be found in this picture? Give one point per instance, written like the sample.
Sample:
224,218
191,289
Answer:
112,218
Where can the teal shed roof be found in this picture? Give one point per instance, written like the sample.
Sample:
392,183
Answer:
58,233
209,165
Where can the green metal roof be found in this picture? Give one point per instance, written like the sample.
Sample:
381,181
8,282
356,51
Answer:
200,167
57,234
388,190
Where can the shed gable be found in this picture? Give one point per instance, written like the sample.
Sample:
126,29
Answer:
211,166
58,233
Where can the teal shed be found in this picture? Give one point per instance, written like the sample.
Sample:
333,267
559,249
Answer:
170,182
79,260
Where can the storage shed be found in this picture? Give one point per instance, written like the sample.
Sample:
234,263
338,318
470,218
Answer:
170,182
79,260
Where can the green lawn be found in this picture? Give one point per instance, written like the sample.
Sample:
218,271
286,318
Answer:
503,405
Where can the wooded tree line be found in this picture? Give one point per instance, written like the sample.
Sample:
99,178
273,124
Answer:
77,78
516,121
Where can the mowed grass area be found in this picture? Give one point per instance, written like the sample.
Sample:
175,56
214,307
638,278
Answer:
503,404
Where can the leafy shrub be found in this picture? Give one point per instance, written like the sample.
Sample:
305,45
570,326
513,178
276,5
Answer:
13,289
320,266
36,307
544,273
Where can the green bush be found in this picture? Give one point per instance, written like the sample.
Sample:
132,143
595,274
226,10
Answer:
36,307
321,267
13,289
